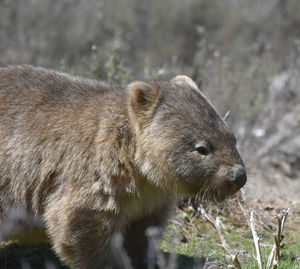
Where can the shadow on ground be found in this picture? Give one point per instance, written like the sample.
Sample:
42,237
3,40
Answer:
40,256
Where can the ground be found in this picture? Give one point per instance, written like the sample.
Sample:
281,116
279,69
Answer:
192,242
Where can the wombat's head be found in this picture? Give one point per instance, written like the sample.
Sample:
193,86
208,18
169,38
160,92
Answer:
182,144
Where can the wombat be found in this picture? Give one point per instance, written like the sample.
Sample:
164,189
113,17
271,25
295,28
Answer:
93,159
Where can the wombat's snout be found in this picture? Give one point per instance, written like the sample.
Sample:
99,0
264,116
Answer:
240,176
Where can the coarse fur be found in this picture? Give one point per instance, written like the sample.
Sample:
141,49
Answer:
93,159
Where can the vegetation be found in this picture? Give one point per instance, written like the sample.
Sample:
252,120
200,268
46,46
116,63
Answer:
200,240
190,240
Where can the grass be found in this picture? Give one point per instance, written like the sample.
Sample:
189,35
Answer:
191,238
202,240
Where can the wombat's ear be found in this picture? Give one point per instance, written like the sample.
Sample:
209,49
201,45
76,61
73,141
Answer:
184,80
143,98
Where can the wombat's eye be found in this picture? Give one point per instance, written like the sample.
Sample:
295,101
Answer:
203,147
202,150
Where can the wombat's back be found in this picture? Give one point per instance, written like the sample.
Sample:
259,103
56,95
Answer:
48,122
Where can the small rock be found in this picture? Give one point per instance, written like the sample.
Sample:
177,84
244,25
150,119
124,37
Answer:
182,238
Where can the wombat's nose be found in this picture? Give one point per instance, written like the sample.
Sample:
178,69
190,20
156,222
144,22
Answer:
240,176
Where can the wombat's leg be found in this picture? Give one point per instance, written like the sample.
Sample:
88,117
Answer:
136,242
81,237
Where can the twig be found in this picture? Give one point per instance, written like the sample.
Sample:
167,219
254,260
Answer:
236,261
243,210
226,115
217,226
256,239
271,257
275,252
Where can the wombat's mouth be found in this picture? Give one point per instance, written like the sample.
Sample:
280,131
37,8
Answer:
218,191
215,195
216,187
229,185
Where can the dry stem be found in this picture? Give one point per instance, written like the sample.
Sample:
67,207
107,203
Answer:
275,252
256,239
217,226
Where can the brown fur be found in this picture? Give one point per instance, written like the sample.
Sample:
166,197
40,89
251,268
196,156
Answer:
93,159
